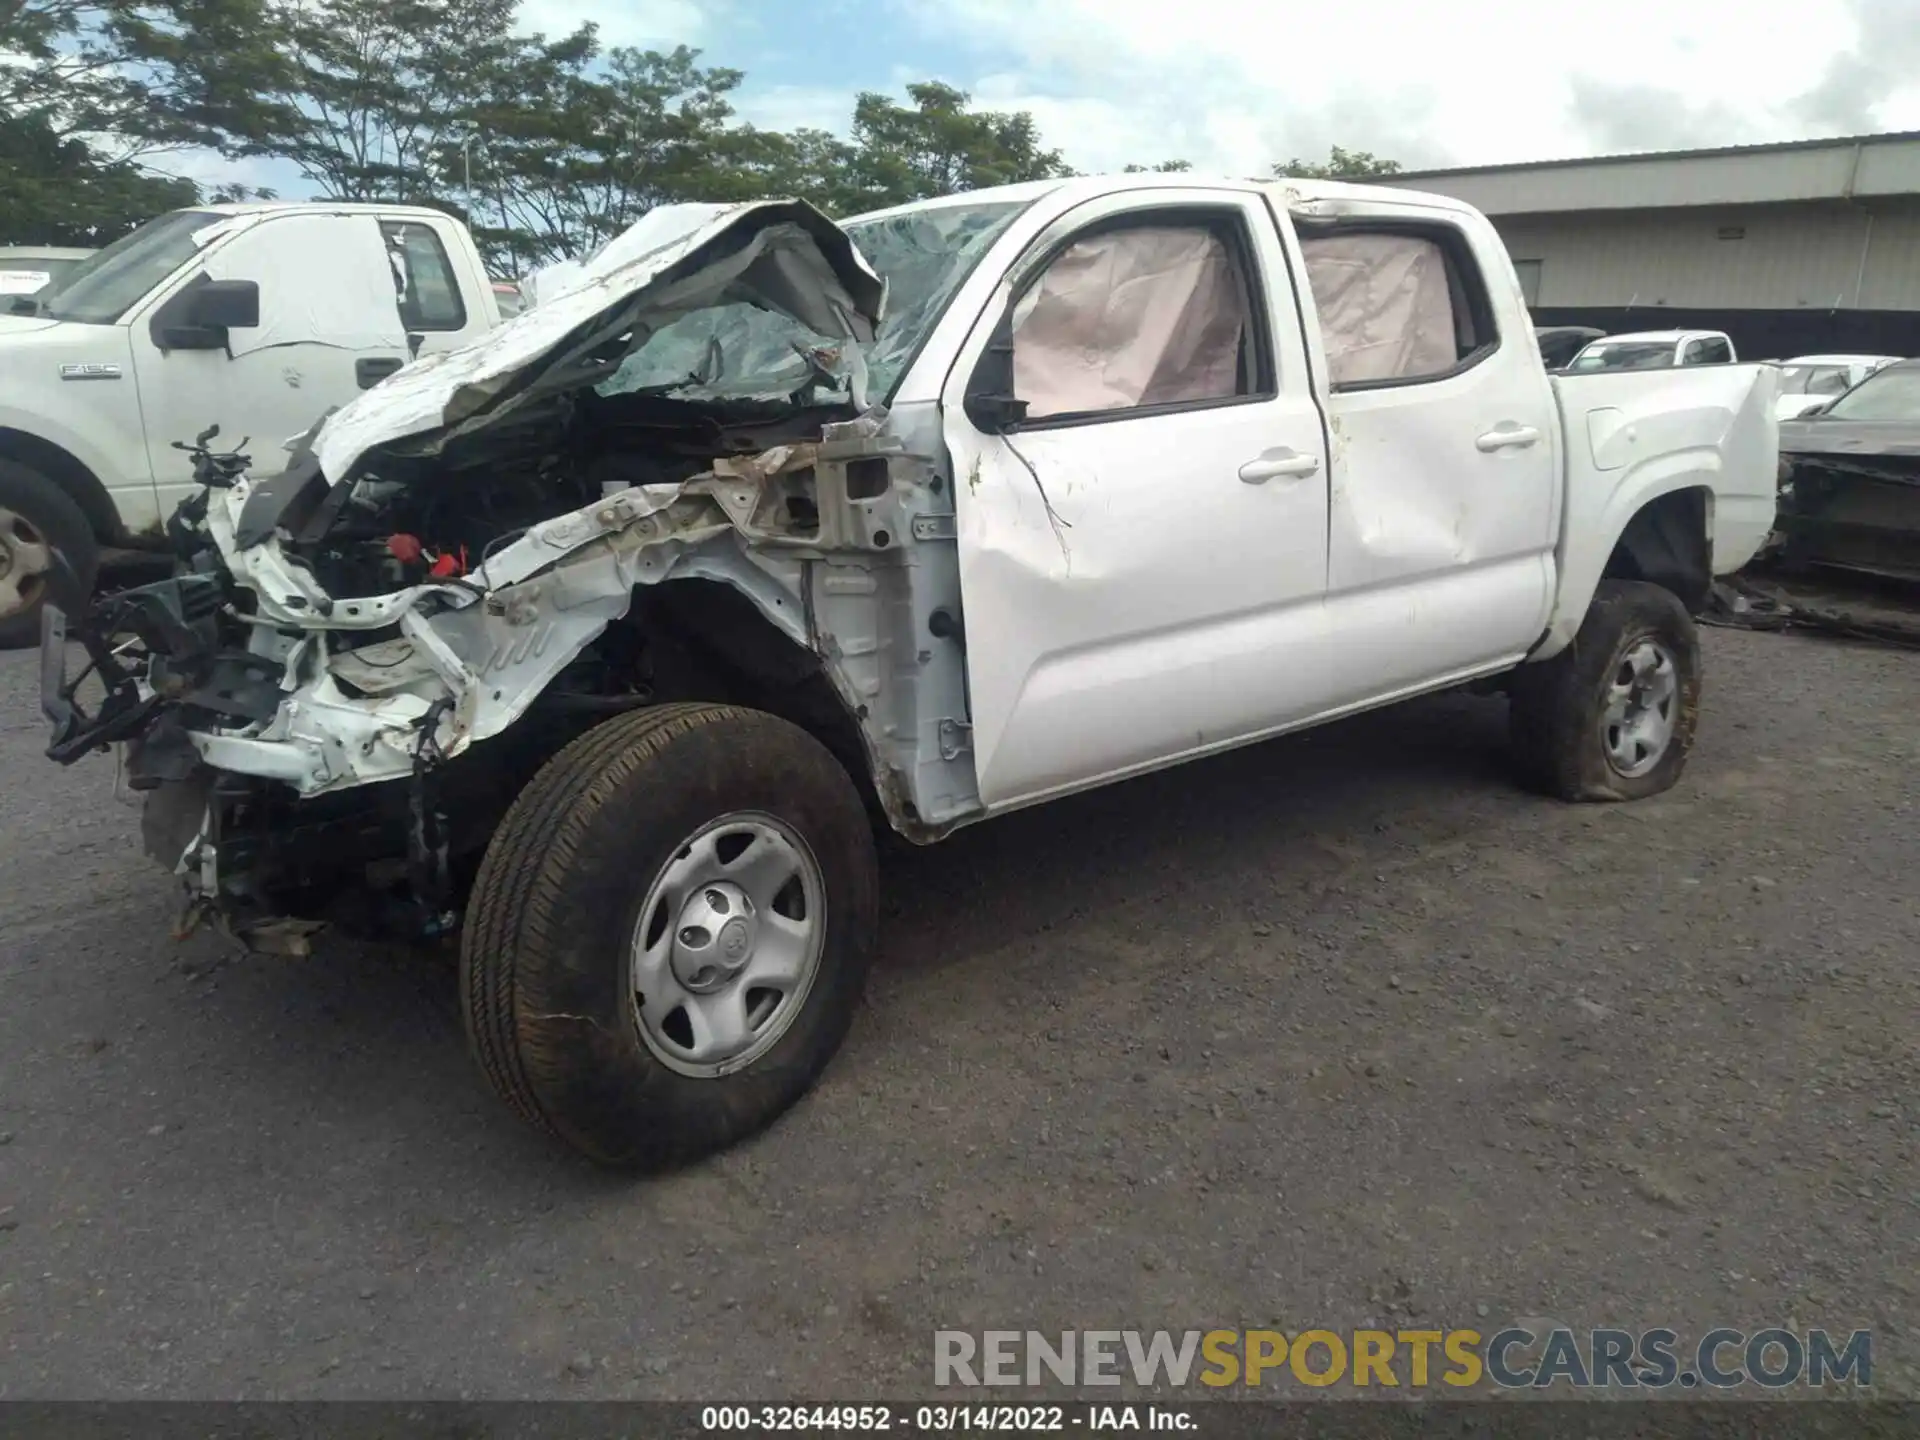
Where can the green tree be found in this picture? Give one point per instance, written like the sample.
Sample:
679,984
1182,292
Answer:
132,77
938,146
572,156
813,164
93,94
1165,167
383,98
1340,164
54,190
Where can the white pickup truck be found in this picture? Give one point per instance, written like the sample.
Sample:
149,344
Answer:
258,318
590,640
1654,350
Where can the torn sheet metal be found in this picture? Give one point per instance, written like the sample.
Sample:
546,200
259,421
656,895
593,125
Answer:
324,280
473,655
785,256
1149,315
1385,308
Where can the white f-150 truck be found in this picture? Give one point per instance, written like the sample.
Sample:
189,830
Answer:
258,318
590,640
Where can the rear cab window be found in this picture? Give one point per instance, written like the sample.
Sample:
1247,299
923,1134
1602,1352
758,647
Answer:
1400,303
423,277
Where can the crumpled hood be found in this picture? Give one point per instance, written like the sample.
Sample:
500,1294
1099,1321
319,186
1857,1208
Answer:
784,255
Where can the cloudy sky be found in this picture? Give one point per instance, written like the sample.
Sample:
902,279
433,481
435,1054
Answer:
1235,85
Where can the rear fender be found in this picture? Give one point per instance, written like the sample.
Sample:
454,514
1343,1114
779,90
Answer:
1633,437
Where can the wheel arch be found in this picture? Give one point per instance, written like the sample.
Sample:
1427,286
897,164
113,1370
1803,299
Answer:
1660,530
1668,542
68,472
711,641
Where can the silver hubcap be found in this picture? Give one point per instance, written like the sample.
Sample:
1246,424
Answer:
728,944
1643,701
24,561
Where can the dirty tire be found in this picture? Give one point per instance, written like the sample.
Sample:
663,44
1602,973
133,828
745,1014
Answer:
48,515
1557,707
544,958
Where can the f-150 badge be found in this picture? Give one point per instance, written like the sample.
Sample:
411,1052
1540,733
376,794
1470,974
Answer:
89,372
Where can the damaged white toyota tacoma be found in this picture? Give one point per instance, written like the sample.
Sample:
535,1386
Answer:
603,641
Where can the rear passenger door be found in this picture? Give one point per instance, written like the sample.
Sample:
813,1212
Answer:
1443,520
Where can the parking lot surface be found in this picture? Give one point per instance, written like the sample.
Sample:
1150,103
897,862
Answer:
1335,1030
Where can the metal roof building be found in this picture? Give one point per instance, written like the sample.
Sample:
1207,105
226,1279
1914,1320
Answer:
1791,248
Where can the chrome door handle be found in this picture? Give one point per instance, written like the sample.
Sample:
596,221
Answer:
1504,437
1278,462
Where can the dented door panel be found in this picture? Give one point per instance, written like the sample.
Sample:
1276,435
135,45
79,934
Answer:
1146,586
1445,504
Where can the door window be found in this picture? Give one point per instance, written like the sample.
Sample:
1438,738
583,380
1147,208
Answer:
423,275
1147,316
1398,305
1527,272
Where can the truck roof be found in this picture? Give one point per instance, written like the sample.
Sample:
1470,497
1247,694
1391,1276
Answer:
1671,337
337,207
1287,191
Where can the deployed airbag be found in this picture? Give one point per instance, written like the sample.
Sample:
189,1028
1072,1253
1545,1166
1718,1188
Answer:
324,280
1386,312
1144,316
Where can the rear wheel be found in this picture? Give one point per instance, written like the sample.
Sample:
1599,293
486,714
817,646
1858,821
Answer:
670,933
37,518
1612,716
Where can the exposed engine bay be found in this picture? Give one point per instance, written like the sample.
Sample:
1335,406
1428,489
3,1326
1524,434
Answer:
305,701
442,517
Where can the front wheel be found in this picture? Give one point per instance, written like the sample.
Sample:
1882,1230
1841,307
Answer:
37,518
670,933
1612,716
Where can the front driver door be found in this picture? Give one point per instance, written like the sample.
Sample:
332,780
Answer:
329,326
1143,557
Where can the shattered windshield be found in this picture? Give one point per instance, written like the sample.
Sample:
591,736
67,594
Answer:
741,352
1638,355
1888,395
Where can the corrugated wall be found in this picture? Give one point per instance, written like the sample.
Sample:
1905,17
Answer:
1773,257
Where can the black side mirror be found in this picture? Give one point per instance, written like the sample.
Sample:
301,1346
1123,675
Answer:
200,316
990,403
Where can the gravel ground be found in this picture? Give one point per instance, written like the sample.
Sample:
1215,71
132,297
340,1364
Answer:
1334,1030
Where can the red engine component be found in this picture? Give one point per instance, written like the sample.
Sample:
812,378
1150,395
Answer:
448,564
442,565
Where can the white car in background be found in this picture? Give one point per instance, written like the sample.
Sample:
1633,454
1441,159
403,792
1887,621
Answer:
1654,350
29,269
1807,381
